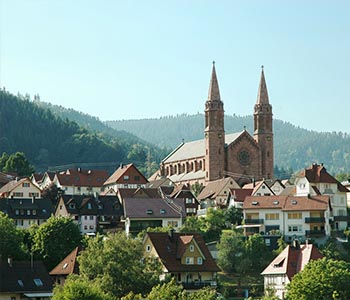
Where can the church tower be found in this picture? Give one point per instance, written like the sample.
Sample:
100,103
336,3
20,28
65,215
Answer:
263,133
214,132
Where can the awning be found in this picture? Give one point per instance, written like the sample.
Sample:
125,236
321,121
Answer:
34,295
249,226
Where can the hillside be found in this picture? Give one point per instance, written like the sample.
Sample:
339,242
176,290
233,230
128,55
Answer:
295,147
49,140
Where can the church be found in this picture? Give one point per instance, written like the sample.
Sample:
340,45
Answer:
239,155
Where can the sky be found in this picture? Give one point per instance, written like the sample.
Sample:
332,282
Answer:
145,59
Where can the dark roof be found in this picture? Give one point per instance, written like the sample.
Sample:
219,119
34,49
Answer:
170,251
21,275
240,194
68,265
154,208
78,204
109,206
138,193
43,208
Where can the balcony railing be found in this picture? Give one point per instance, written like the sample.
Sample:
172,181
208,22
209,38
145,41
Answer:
315,232
315,220
253,221
198,284
341,218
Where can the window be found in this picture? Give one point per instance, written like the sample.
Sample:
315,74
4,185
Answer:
33,194
17,212
126,177
272,216
13,298
85,217
91,217
89,206
173,223
72,205
25,184
85,227
65,266
190,210
17,194
34,212
148,248
295,228
38,282
294,215
191,248
267,242
302,185
199,260
91,226
137,178
189,260
162,211
189,200
20,283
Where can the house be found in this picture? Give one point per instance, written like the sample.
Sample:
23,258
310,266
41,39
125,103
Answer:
302,217
183,256
43,180
80,182
289,262
216,194
126,176
239,155
190,201
237,196
139,214
20,188
67,266
277,187
315,180
91,213
26,212
24,280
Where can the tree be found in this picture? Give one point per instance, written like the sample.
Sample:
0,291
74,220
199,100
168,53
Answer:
214,224
167,291
192,224
233,215
55,239
257,252
76,288
19,164
116,263
11,239
53,193
321,279
3,159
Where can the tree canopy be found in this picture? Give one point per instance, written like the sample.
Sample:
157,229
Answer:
55,239
16,163
322,279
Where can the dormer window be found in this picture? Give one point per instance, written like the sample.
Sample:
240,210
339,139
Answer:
162,211
20,283
38,282
71,206
149,211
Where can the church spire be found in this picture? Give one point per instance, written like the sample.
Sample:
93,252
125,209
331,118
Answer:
214,93
263,96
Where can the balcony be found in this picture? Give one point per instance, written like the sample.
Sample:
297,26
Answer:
315,220
315,232
198,284
341,218
253,221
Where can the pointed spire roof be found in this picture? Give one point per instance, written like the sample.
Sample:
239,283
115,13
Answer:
263,96
214,93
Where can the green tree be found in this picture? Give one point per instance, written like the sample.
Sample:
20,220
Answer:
55,239
11,239
230,251
76,288
322,279
214,224
117,264
192,224
3,159
196,188
257,252
19,164
233,215
167,291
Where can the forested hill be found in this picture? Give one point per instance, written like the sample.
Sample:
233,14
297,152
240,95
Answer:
295,147
48,140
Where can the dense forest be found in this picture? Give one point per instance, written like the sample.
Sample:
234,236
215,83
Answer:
295,147
50,141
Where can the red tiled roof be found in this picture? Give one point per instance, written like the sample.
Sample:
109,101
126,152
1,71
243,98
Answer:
168,249
292,260
318,174
121,171
287,203
78,177
240,194
69,265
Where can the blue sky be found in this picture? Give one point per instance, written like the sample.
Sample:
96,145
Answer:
144,59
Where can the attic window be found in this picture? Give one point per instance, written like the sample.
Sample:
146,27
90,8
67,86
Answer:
72,205
126,177
255,203
65,266
89,206
294,202
148,248
199,260
162,211
20,283
38,282
276,202
191,248
149,211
